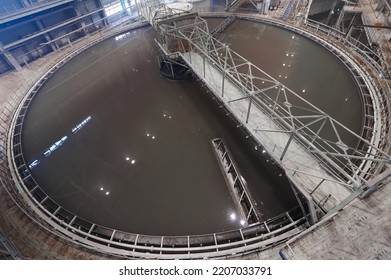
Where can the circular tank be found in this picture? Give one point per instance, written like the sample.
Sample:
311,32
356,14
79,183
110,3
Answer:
111,140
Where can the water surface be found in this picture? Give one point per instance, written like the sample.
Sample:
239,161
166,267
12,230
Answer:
131,150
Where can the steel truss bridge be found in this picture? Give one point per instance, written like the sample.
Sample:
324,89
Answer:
329,164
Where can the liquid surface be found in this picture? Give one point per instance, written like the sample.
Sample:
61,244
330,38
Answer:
133,151
302,65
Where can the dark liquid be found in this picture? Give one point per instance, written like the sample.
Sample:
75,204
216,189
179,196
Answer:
142,160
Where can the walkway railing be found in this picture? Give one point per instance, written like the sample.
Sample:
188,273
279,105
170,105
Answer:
375,60
60,222
376,90
369,55
375,66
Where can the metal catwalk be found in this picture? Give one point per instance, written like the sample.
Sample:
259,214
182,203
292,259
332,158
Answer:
326,161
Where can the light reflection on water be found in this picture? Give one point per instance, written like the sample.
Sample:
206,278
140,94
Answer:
58,144
145,164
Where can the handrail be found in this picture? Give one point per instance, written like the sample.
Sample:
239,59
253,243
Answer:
375,83
370,56
375,60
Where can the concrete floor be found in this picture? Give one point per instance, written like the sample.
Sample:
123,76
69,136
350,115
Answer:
361,231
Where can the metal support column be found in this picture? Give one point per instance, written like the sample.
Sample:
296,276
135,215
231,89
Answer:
307,197
137,7
380,5
100,4
9,58
287,145
46,35
249,108
25,3
82,24
331,12
339,20
265,8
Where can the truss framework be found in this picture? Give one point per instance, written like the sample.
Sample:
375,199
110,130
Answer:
273,113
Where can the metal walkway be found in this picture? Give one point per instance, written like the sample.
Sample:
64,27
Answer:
327,162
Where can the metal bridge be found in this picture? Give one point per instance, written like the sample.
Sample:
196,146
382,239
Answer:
326,162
